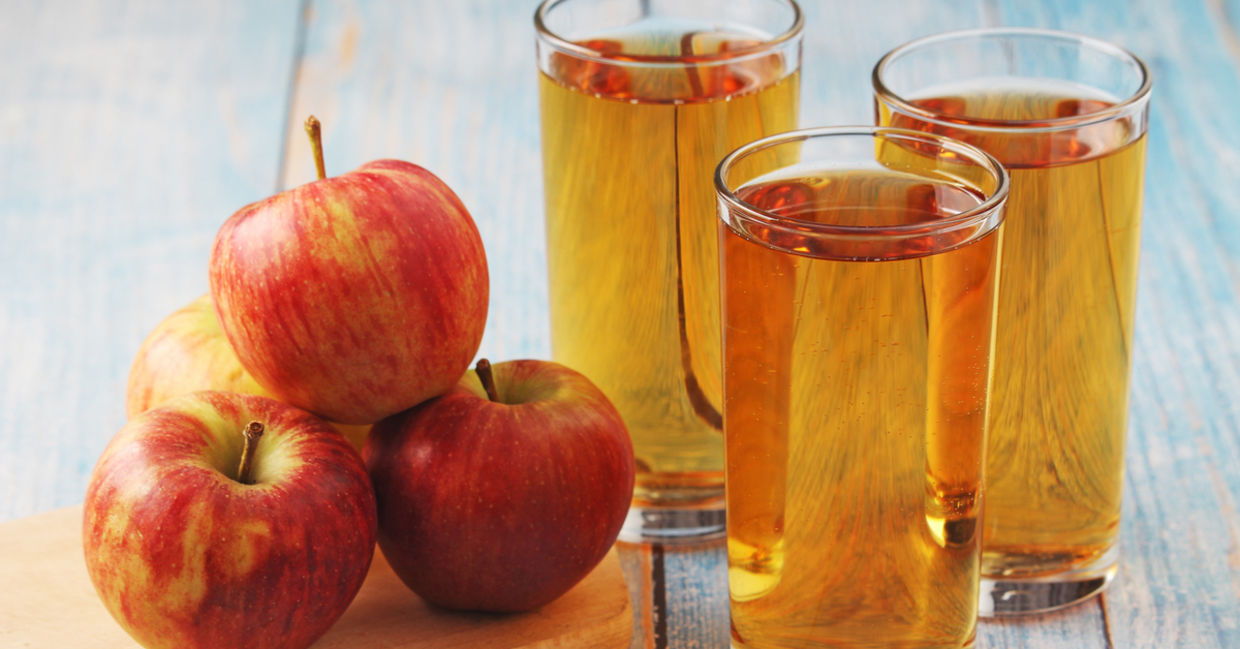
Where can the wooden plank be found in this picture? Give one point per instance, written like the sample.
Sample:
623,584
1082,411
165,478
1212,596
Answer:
636,560
1179,582
844,40
449,86
697,602
1083,625
679,594
48,601
129,131
1226,15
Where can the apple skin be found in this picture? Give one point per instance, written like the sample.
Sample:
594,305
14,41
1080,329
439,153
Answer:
187,352
185,556
353,297
502,506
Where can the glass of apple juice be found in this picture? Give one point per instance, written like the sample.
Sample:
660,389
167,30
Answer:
859,268
640,99
1067,116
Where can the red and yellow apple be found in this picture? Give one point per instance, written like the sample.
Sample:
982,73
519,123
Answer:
187,352
354,297
503,493
184,353
227,520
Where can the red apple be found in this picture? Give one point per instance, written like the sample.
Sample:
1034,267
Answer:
198,536
188,352
354,297
501,495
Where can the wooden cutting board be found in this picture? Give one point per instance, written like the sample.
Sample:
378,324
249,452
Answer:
47,600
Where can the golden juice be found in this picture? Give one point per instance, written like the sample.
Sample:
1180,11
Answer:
1064,337
629,154
856,376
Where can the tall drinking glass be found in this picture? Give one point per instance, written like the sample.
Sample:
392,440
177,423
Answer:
859,272
640,99
1067,116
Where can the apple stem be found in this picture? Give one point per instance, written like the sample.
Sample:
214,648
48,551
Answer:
483,368
315,132
252,432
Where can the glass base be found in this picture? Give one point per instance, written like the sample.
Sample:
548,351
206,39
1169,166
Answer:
1003,596
674,525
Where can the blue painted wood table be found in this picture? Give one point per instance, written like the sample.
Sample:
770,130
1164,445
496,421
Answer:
130,129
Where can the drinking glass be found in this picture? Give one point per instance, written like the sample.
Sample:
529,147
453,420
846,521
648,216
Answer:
859,268
1067,115
640,99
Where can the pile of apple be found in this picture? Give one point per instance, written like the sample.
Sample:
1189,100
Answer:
234,509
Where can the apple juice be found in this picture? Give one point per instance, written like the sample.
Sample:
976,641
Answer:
629,153
856,380
1066,307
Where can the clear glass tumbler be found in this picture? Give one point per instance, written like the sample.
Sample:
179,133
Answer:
859,272
640,99
1067,115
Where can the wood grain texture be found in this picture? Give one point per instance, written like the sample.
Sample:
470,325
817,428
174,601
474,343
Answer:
129,131
48,601
844,40
697,597
637,561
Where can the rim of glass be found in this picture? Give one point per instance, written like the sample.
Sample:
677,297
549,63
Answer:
569,47
892,98
965,218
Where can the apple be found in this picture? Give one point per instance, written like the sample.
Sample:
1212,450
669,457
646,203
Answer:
228,520
184,353
187,352
504,492
354,297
